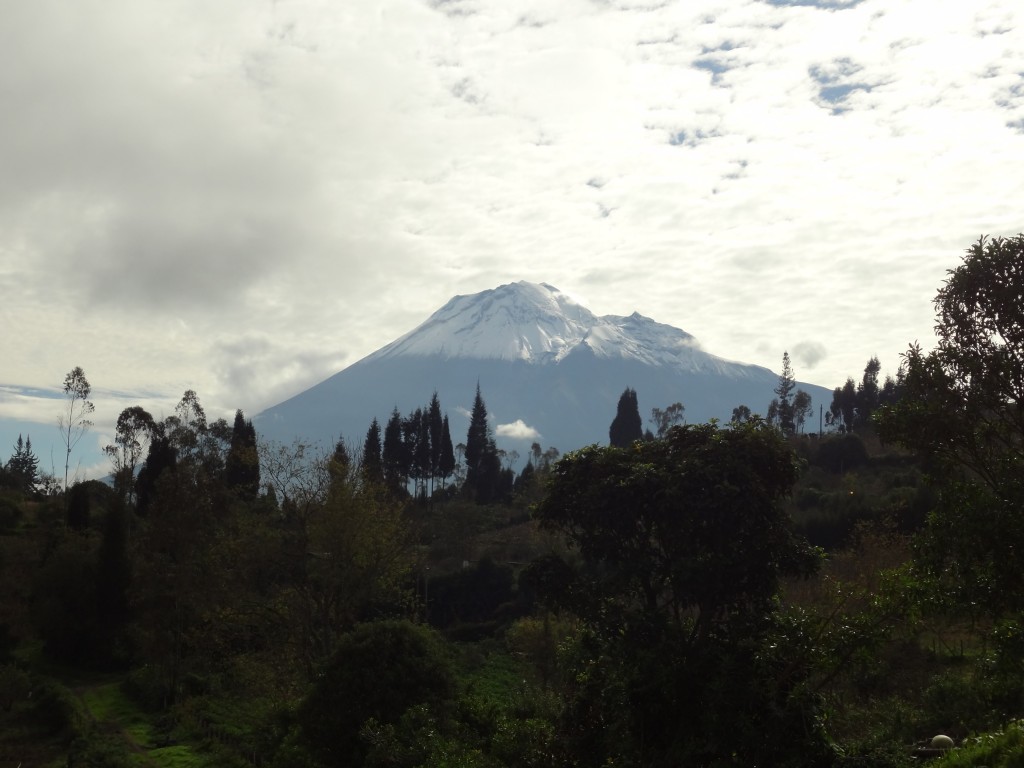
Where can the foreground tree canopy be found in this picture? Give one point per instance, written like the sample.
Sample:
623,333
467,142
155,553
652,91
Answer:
964,400
682,544
963,406
690,527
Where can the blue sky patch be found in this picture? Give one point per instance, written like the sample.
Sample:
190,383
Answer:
711,64
690,138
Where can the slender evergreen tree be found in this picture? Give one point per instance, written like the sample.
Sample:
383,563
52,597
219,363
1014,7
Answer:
446,463
476,440
483,468
341,456
626,427
393,453
420,466
784,414
373,470
242,467
435,426
23,466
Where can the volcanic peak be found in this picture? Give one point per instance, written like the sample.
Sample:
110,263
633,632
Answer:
537,323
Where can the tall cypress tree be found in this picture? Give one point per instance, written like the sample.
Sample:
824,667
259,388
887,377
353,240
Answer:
419,425
242,467
393,452
446,463
476,440
627,427
341,455
784,391
483,468
436,426
373,470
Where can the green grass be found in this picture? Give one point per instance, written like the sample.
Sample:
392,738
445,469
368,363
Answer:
179,756
1000,749
495,675
111,707
109,704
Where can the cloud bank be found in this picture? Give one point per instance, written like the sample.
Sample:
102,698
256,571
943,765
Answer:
242,198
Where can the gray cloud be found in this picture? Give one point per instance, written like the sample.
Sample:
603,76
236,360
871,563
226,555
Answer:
809,353
261,372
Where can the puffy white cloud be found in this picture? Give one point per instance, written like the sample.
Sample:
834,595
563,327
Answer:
517,430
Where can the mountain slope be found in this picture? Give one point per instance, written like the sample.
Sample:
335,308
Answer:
550,371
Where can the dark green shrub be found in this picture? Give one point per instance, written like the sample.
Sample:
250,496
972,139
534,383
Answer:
841,453
148,687
64,601
10,514
471,596
53,709
380,670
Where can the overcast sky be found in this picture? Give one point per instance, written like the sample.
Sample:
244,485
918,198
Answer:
244,197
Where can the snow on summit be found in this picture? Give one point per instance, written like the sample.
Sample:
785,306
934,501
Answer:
537,323
518,321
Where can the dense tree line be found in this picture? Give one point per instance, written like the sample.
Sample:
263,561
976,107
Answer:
417,449
855,403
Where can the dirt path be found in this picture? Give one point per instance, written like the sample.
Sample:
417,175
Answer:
112,726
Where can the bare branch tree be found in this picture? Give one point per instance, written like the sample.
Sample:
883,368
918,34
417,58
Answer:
74,421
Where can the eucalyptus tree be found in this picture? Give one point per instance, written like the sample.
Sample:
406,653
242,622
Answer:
74,420
135,428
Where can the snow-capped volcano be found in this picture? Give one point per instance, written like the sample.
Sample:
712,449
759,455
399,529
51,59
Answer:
534,323
549,369
537,323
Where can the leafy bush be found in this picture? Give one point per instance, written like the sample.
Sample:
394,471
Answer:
841,454
379,671
10,514
481,595
64,601
15,685
53,708
148,687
